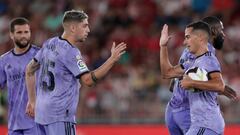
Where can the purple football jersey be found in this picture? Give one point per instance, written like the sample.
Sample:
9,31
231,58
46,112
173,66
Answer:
179,100
58,81
12,75
204,109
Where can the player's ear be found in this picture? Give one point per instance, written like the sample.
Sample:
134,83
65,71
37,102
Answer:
213,31
72,27
203,36
11,35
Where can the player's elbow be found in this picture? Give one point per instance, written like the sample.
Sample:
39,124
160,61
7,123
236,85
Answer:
168,74
221,87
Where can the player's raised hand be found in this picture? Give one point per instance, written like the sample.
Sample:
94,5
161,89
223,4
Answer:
118,51
164,36
30,109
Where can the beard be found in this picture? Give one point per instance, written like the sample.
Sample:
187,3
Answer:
218,42
22,44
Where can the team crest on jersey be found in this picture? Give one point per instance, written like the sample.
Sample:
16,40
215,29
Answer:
81,65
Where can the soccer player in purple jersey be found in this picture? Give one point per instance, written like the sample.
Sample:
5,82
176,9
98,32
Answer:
206,118
12,72
217,40
177,115
196,37
62,68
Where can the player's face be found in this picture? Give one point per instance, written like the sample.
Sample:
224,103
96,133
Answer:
191,40
21,35
82,30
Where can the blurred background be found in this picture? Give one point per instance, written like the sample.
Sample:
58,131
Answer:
133,92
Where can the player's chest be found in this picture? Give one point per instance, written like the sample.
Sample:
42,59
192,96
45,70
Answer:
15,69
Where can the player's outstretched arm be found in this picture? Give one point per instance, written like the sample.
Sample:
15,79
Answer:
32,67
92,77
215,84
167,70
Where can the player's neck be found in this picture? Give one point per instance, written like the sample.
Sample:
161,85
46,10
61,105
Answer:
201,51
211,41
18,50
69,39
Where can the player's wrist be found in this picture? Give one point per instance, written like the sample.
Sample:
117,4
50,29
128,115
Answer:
94,78
112,60
163,45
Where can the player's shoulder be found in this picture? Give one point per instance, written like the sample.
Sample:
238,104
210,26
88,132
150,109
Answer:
207,56
186,54
66,47
35,47
211,48
49,41
59,42
65,43
210,55
7,54
208,59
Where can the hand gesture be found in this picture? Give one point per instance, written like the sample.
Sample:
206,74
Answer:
231,93
164,36
238,96
118,51
186,82
30,109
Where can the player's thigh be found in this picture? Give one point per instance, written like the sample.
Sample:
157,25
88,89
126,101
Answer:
169,116
15,132
172,126
41,129
201,131
61,128
183,120
31,131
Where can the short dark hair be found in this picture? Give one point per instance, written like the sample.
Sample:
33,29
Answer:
18,21
74,15
212,21
200,25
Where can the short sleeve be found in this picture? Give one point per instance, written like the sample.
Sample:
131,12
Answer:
211,65
38,56
74,62
183,56
2,75
186,59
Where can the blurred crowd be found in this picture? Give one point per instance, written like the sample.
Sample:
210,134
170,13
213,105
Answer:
133,92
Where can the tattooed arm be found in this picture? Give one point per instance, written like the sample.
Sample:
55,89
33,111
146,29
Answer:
32,67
